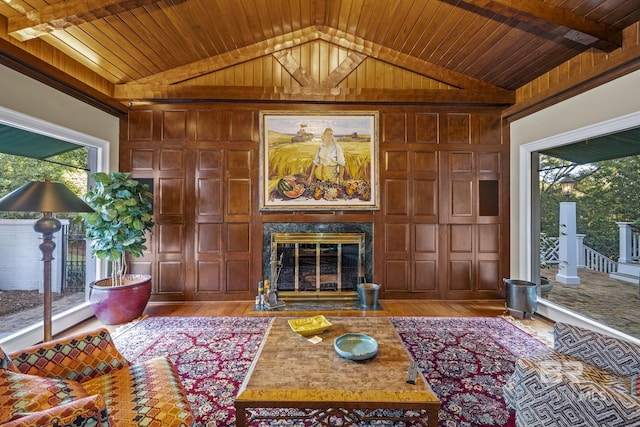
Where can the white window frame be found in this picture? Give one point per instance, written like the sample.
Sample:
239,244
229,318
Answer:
547,308
33,333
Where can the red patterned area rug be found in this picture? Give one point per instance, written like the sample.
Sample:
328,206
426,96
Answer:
212,355
466,361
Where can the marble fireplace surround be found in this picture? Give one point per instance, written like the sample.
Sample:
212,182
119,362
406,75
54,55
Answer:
364,228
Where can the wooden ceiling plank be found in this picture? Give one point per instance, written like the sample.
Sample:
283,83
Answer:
191,16
511,42
68,44
364,19
380,17
219,37
333,36
293,67
232,14
261,9
623,62
286,25
43,71
231,58
256,22
405,19
415,17
67,14
144,39
134,92
514,63
11,9
465,36
110,50
351,23
187,30
345,68
482,44
579,28
318,12
126,46
444,36
147,20
169,28
402,60
438,30
427,28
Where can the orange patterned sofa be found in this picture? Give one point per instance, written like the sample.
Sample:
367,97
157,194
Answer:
83,380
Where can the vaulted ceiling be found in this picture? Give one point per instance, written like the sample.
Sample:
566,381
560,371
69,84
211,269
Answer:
471,51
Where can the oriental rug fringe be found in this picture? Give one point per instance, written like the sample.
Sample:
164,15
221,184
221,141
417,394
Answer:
466,360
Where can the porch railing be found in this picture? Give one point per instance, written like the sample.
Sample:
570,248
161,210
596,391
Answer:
629,242
549,250
587,257
594,260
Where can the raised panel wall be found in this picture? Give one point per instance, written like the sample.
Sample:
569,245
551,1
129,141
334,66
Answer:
440,232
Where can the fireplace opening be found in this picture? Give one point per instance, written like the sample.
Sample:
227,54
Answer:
322,264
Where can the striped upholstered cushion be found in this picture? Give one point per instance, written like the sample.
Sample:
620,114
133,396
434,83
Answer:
147,393
5,362
22,394
87,412
79,359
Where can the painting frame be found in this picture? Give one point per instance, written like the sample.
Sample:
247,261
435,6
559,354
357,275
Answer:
319,160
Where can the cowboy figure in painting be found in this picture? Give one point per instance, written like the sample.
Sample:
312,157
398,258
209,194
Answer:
328,164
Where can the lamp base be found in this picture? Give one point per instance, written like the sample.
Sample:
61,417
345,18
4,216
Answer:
47,225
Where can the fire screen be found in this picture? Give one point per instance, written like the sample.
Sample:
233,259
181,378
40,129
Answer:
319,262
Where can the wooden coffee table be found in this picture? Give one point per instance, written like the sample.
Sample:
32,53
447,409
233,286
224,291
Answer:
291,372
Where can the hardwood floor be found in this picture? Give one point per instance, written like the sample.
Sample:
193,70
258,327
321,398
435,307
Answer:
482,308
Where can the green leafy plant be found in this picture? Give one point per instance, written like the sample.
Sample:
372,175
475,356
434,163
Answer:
123,215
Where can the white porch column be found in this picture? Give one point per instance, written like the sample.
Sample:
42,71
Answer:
580,249
567,250
625,241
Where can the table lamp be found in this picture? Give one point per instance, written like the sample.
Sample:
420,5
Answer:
46,197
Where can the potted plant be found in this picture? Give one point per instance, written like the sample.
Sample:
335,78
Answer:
123,216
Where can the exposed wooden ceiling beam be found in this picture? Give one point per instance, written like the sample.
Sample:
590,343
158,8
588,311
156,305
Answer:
578,28
231,58
346,67
294,68
619,65
330,35
133,93
334,78
66,14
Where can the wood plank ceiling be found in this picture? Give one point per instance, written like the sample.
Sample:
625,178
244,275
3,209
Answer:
471,51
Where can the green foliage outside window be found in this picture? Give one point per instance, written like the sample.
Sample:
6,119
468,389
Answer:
69,168
605,193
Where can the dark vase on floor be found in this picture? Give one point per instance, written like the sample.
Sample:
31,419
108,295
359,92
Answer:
114,305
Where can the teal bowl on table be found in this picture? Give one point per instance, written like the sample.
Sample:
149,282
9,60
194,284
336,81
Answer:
356,346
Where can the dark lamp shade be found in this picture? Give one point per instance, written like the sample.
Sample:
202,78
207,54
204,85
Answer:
43,197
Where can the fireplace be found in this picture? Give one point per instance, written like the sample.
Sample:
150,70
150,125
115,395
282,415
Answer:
323,261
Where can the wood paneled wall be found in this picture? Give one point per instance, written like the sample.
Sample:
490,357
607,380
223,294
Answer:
441,233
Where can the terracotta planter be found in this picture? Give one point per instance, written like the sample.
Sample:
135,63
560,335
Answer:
114,305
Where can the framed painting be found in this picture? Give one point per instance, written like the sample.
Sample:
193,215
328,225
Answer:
321,161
